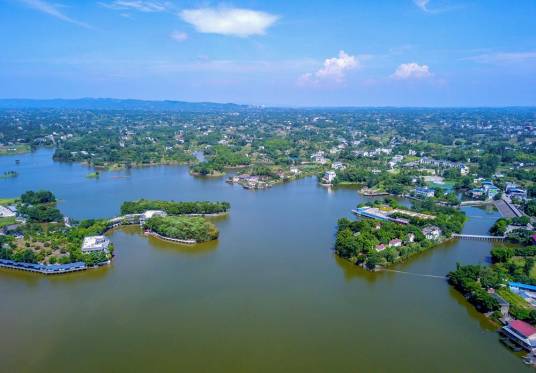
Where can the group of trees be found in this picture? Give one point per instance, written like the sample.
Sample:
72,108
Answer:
473,281
358,240
175,208
54,243
39,207
515,263
183,228
35,198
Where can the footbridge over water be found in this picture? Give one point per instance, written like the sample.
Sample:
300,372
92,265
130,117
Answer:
478,237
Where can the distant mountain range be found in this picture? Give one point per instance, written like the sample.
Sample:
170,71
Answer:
119,104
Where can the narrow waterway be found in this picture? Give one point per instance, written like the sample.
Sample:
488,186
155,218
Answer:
269,296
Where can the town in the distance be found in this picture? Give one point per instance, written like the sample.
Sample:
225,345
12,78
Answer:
417,167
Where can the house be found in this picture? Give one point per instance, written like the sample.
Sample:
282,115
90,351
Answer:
424,192
411,238
395,243
6,212
294,170
489,189
338,166
521,333
329,176
431,232
513,191
95,244
319,158
477,193
380,247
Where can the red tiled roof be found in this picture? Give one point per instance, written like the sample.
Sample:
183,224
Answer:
523,328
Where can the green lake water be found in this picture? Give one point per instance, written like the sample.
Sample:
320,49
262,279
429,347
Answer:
268,296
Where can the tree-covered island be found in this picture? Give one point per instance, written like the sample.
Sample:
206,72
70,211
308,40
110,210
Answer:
388,233
176,208
183,229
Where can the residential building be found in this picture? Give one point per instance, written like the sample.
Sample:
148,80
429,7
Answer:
521,333
329,176
5,212
424,192
395,243
380,247
431,232
95,244
338,166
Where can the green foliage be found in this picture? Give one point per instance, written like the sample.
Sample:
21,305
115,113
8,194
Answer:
183,228
175,208
501,254
41,213
358,239
472,281
500,226
39,197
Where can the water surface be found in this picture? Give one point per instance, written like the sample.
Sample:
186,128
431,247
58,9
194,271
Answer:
269,296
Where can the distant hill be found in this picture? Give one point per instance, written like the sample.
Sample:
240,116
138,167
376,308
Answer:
118,104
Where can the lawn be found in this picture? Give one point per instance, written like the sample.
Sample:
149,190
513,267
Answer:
514,299
7,221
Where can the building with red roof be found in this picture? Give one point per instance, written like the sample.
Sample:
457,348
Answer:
521,333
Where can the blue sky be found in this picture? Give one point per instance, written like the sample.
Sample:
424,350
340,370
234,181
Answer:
286,53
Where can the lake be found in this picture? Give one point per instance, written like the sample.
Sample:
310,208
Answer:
268,296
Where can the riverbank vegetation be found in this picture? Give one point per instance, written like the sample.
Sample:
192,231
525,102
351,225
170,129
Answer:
175,208
185,228
39,207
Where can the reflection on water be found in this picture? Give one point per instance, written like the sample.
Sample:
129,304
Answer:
268,295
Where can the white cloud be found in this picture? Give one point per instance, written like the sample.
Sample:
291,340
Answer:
229,21
411,71
139,5
179,36
423,4
334,69
52,10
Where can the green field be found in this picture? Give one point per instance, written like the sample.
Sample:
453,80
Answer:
15,149
7,221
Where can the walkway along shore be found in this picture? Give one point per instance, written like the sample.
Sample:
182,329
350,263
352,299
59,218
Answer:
177,240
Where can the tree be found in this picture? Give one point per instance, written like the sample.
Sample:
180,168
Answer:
501,254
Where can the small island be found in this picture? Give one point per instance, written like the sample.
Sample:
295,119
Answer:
195,208
9,175
181,229
387,233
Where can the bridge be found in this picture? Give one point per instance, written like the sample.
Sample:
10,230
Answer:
478,237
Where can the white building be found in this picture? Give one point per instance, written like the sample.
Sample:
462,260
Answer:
338,166
150,214
329,176
6,213
432,232
95,244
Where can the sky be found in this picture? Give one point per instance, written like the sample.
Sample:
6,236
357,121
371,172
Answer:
272,52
